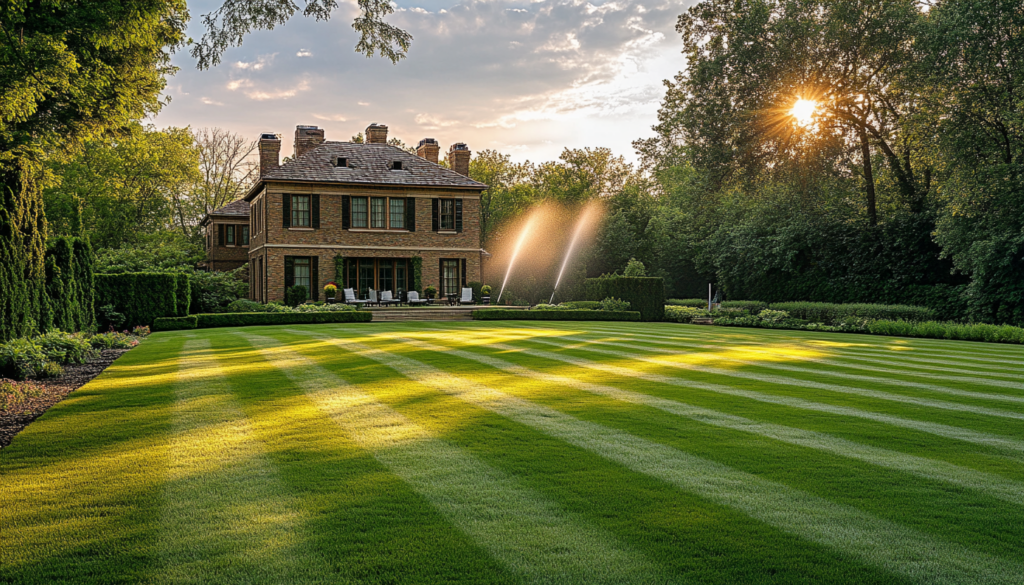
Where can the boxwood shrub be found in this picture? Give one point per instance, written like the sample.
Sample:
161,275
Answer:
644,294
242,319
554,315
174,323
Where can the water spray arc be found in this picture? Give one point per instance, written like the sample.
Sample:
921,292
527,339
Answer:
515,253
580,224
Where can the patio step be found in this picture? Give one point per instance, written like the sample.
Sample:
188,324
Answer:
422,315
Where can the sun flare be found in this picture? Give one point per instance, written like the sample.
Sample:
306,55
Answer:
803,111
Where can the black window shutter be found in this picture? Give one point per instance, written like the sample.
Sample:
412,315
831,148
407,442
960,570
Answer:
440,276
410,214
463,273
346,212
436,204
220,234
458,215
286,210
314,214
289,271
314,280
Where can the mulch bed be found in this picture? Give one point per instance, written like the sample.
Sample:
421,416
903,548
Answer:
53,391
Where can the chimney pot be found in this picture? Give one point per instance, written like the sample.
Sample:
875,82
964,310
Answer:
429,149
306,139
458,158
270,152
376,134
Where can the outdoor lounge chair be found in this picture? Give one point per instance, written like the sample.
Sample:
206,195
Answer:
373,298
350,298
414,299
467,297
386,299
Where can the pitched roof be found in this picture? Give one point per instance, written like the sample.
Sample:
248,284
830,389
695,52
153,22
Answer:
238,208
368,164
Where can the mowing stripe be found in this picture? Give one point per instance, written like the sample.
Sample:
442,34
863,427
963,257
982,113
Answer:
227,516
787,381
938,429
885,544
828,372
992,485
518,526
972,375
998,354
1005,355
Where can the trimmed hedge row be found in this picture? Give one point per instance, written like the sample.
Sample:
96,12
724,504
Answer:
207,320
553,315
143,297
644,294
829,313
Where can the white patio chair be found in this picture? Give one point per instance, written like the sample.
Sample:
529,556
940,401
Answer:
467,297
414,299
387,299
350,298
373,298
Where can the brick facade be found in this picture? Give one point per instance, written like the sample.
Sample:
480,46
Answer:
227,256
270,241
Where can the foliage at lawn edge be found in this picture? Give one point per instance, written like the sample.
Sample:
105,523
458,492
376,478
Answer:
644,294
208,320
144,297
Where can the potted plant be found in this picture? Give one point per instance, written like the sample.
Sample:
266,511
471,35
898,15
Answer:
485,294
430,291
330,291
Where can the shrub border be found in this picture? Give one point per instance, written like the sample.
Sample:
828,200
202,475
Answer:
552,315
210,320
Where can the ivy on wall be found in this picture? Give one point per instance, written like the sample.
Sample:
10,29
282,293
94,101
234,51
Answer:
417,273
340,274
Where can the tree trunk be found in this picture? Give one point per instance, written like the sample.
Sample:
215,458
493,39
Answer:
869,177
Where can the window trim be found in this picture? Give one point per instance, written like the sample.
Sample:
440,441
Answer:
441,215
369,214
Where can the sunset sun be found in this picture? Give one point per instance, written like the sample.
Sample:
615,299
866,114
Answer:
803,111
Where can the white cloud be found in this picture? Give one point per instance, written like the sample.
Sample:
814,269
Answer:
331,118
210,102
261,62
304,53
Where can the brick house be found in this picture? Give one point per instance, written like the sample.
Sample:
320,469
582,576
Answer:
365,216
226,235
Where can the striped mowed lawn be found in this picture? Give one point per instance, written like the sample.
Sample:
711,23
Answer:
518,452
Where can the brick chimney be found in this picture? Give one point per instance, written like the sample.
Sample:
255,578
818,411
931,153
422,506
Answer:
306,139
376,134
458,158
270,152
428,149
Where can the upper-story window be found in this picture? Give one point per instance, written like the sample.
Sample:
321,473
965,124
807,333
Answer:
300,211
378,213
447,216
245,235
229,233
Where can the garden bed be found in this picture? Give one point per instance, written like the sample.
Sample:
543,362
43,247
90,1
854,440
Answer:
52,391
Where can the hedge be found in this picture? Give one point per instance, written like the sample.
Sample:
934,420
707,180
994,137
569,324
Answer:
174,323
829,313
566,315
70,283
144,297
242,319
644,294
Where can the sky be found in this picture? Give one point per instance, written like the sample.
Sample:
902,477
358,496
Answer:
524,78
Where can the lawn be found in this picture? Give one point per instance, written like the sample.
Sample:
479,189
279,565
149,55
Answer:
515,452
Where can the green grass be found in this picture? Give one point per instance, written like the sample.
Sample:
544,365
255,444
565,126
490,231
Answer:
524,452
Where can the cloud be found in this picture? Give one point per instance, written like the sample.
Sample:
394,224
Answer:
529,76
304,53
257,65
210,102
